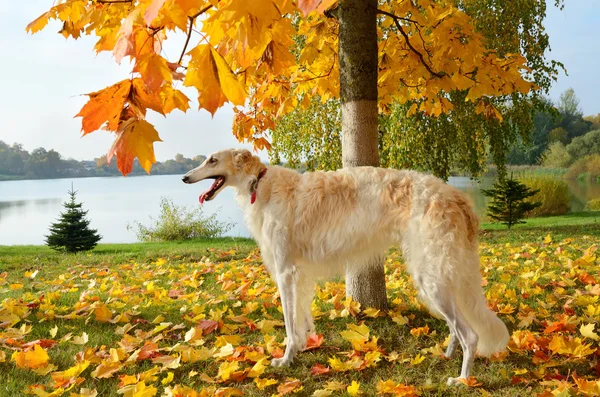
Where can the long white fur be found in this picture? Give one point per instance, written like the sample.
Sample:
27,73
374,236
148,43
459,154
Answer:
318,224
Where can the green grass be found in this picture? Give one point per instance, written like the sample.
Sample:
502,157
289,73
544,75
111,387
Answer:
570,219
23,256
224,266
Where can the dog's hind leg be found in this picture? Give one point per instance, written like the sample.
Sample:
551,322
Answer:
451,344
304,319
442,300
287,280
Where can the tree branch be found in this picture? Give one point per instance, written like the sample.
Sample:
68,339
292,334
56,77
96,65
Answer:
396,20
189,34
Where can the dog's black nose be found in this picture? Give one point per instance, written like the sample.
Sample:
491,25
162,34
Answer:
185,178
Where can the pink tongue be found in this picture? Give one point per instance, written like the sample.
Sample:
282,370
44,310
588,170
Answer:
202,197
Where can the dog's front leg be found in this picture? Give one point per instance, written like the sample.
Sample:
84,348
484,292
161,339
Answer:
287,279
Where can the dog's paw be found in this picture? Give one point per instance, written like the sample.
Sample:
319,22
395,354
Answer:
454,381
281,362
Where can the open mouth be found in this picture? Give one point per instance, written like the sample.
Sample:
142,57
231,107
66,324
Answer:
217,184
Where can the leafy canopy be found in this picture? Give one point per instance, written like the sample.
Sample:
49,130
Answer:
246,53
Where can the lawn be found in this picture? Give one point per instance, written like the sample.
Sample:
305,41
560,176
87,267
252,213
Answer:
203,318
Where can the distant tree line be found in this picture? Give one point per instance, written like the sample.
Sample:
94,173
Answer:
561,127
18,163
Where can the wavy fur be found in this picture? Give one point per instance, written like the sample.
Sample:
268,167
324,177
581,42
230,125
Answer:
317,224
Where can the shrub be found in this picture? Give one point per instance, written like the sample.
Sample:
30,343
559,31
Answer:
593,205
508,204
587,167
180,223
584,145
556,156
559,134
552,192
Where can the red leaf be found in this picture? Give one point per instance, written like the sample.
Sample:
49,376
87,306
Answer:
45,343
208,326
314,342
319,369
149,350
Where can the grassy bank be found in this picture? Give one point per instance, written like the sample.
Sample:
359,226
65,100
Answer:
154,318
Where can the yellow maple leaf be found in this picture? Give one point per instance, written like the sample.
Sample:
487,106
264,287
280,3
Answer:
102,313
81,340
138,390
418,359
36,358
420,331
588,331
227,368
258,369
261,384
354,389
167,379
65,378
322,393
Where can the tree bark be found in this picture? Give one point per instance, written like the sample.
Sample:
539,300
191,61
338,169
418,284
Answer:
358,58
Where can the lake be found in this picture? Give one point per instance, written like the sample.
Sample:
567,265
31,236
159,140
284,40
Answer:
28,207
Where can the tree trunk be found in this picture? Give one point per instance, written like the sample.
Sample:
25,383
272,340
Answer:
358,94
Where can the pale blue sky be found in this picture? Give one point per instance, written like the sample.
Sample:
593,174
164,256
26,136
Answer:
44,75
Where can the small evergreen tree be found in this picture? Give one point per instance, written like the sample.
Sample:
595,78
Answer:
72,232
508,204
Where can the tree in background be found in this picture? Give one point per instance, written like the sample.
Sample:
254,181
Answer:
556,156
458,139
508,205
72,232
595,120
571,115
561,122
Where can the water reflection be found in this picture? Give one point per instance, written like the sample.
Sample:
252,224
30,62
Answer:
22,207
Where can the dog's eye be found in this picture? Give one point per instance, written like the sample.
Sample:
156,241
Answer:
212,160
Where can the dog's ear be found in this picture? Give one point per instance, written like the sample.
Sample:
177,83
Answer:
241,157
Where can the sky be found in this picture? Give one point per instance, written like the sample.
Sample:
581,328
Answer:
43,78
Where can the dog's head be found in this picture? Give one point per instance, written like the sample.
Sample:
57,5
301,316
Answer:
232,167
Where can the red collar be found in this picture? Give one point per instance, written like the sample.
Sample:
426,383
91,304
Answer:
254,186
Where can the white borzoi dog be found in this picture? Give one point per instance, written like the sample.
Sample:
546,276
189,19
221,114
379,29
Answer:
317,224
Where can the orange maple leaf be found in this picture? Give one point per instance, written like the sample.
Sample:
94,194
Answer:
36,358
135,140
154,70
104,106
314,341
319,369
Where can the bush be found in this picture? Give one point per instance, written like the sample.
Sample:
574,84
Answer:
593,205
180,223
556,156
584,145
552,192
587,167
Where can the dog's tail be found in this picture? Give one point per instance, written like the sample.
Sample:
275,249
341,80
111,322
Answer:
492,332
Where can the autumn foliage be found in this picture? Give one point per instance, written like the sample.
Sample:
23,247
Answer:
268,57
210,327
